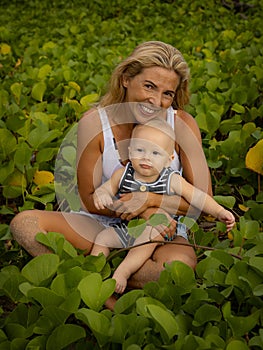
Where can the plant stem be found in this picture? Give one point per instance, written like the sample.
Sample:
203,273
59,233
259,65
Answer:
196,246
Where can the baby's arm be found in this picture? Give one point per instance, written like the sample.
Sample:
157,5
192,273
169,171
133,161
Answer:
201,200
103,195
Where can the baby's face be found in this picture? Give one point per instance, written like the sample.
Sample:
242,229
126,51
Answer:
149,153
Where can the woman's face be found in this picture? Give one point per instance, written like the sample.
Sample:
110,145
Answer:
152,90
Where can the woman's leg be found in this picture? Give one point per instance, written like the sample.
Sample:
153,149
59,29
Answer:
151,269
79,230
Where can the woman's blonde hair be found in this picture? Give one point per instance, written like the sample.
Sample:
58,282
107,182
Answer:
146,55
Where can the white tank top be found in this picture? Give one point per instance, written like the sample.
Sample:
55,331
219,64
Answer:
110,159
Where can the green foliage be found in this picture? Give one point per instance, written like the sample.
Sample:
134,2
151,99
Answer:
59,301
55,60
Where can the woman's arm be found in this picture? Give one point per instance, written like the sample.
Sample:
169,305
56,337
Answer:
89,160
192,157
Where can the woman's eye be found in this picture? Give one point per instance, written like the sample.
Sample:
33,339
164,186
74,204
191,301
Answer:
148,86
169,94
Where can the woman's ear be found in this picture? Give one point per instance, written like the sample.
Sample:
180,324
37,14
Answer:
125,80
171,157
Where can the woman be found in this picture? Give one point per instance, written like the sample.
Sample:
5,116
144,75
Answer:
152,80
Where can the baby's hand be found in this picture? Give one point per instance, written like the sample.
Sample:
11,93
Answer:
102,199
228,218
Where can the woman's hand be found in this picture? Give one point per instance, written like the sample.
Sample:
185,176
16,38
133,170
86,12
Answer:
131,205
165,231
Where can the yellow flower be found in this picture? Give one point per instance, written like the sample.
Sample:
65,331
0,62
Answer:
254,158
5,49
43,177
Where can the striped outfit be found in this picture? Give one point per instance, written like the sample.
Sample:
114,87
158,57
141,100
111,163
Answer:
129,184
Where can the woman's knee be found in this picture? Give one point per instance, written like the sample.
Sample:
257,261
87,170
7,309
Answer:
24,227
172,252
24,220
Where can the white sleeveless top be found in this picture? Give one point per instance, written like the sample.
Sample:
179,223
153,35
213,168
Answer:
110,159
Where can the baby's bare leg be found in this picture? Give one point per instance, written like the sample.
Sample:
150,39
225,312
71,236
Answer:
151,269
105,240
135,258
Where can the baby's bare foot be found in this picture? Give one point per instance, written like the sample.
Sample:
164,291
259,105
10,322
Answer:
121,282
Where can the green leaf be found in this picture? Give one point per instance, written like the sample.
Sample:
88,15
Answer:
10,279
127,301
64,335
257,263
136,227
258,290
241,325
41,268
6,170
8,143
206,313
23,156
237,345
165,320
158,219
238,108
94,292
226,201
182,275
45,296
189,223
57,242
98,323
44,71
65,283
41,136
37,343
142,303
69,154
87,100
16,89
248,228
212,84
38,90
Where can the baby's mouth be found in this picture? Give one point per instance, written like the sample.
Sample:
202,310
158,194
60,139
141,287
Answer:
145,166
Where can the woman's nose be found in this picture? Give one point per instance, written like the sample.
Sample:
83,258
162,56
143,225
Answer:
155,99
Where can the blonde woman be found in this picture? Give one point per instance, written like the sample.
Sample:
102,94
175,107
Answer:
152,81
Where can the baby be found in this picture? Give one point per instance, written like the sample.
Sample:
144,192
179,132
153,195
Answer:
150,153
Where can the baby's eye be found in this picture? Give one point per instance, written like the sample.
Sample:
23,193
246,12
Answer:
156,153
139,150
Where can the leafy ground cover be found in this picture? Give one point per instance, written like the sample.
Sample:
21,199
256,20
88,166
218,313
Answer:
55,59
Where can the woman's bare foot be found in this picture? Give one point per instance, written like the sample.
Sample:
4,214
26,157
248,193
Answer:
110,303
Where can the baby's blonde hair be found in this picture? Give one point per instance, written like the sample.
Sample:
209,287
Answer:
160,125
